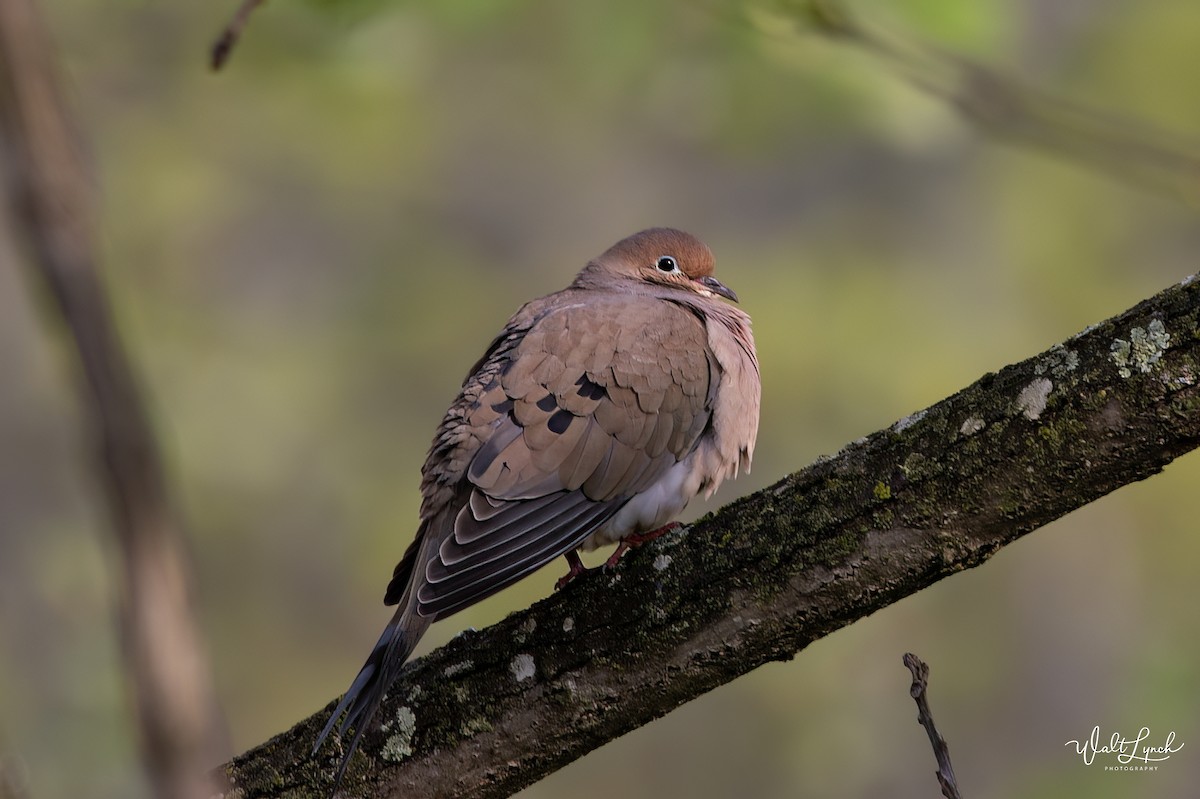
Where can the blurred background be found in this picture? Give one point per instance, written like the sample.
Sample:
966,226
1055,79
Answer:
308,250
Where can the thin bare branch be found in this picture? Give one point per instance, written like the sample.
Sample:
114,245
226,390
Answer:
1004,107
918,689
223,47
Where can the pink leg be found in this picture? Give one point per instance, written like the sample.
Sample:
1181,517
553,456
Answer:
577,568
636,540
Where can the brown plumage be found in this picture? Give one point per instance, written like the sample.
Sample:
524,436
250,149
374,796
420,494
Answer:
596,414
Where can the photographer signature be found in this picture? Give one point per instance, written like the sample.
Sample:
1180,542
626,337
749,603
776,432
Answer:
1127,750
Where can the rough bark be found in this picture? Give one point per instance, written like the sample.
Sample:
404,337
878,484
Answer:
935,493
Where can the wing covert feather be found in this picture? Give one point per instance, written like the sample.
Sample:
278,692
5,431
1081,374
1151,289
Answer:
556,431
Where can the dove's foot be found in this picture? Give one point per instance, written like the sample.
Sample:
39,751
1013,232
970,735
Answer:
636,540
577,568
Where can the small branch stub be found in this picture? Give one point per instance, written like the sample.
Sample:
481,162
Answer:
945,772
223,46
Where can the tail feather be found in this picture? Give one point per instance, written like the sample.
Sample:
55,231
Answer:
364,678
362,699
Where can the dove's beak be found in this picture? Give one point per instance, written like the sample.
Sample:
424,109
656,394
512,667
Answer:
711,284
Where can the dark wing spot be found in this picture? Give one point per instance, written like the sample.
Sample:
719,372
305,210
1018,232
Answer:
547,403
560,421
504,406
501,437
588,389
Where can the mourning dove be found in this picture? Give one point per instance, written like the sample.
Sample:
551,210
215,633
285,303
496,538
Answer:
593,418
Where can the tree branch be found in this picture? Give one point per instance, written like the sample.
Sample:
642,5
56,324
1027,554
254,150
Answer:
1008,110
941,752
936,493
181,730
222,48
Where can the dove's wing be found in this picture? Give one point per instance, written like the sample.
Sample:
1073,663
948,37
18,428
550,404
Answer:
563,423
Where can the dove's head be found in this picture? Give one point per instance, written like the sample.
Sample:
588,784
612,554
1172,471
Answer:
660,256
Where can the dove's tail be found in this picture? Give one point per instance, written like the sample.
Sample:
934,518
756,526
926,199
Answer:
366,692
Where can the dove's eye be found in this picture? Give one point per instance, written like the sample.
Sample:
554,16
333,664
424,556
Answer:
667,264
